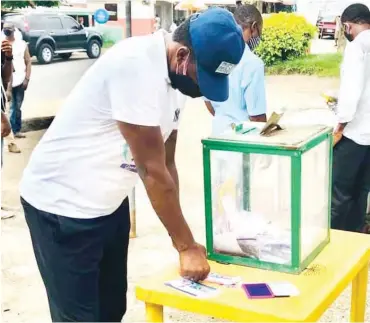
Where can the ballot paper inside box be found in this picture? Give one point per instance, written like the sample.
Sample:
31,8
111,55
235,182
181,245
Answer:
267,198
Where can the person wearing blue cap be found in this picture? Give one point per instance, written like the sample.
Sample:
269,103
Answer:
119,124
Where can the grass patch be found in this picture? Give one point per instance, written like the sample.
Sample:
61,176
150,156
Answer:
324,65
108,43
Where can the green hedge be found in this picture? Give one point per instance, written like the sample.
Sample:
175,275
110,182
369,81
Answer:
321,65
285,36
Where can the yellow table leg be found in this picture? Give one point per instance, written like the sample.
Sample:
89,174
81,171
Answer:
154,313
359,287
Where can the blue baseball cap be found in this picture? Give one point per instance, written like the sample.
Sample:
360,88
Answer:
218,46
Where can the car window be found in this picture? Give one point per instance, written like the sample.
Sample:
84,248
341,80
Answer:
54,23
69,23
37,22
328,19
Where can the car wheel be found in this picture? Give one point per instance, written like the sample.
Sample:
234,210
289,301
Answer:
93,49
45,54
65,56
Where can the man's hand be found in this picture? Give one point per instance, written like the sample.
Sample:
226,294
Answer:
25,84
338,133
337,136
6,48
193,263
5,125
8,95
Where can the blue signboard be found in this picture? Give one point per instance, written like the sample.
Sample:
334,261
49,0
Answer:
101,16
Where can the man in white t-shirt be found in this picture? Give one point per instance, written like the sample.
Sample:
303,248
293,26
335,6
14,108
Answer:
118,124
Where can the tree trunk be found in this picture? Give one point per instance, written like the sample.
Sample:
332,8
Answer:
259,5
128,19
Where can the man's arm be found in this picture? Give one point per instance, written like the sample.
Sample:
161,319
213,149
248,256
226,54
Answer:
170,147
6,65
27,61
133,97
148,150
255,94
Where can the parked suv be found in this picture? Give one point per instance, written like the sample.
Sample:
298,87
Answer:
50,34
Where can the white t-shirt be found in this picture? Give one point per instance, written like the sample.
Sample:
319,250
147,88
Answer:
82,167
354,93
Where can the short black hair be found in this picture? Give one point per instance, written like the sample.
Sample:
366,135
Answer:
357,13
246,15
182,35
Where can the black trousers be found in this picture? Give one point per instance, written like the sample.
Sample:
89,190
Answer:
83,263
351,185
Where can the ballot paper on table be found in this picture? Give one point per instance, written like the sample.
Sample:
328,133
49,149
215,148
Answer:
193,288
222,279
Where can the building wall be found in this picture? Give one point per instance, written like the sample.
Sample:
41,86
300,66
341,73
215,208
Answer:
142,15
164,10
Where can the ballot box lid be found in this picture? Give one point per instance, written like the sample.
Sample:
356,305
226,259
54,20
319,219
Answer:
291,137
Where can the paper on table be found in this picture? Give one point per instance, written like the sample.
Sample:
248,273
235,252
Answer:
222,280
283,289
192,288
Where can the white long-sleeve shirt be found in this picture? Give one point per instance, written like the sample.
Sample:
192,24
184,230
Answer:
354,94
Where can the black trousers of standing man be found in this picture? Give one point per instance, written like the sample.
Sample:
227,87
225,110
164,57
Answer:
351,185
83,263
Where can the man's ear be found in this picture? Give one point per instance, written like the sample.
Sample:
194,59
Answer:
182,54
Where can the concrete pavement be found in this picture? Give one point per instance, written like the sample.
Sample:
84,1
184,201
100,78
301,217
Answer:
50,85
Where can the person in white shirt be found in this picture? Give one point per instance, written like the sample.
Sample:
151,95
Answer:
21,76
119,124
351,159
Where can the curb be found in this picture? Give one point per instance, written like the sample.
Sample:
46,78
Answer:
36,124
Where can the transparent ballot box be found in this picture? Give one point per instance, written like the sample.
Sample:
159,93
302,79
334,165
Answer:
267,198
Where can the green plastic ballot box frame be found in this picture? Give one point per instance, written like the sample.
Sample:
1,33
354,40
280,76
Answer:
280,143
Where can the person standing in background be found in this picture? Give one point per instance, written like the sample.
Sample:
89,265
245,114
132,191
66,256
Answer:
351,155
157,23
21,77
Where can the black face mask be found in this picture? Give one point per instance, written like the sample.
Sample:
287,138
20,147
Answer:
253,43
185,85
348,36
8,32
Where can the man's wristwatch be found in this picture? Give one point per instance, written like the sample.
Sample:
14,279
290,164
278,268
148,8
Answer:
8,58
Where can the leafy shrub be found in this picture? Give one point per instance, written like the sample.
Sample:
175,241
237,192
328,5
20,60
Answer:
327,65
285,36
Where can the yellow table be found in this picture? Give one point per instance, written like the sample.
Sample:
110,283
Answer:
344,260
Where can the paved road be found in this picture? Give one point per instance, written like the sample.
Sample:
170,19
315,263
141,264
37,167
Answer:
50,84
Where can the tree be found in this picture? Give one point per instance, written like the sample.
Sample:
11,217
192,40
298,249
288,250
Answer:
25,4
128,19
